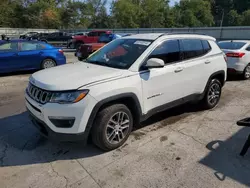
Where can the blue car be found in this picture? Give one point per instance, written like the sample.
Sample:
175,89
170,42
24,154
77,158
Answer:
17,55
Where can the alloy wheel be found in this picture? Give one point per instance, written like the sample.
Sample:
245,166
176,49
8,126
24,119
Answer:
214,94
117,127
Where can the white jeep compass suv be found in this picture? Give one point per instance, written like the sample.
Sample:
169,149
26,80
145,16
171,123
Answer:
123,83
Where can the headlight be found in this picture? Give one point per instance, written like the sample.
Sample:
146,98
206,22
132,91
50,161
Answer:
68,97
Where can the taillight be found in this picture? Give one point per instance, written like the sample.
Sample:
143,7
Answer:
235,55
60,51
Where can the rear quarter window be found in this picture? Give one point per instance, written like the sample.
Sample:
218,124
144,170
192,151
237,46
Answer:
231,45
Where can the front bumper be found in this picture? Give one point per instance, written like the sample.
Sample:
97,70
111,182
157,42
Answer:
40,116
45,131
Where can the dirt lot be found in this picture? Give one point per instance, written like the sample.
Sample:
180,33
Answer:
181,147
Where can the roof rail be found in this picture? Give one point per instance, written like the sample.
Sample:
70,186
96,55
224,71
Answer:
185,33
181,33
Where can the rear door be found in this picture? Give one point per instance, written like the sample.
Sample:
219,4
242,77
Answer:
8,56
195,66
29,55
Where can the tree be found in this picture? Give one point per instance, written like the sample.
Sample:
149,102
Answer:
126,13
246,18
234,19
195,13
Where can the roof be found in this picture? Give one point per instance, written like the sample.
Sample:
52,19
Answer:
154,36
146,36
20,40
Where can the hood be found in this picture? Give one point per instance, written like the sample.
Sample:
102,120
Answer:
72,76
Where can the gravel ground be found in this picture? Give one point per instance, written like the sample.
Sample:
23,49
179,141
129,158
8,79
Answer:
182,147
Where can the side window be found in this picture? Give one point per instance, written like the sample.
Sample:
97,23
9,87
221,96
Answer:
28,46
100,33
60,34
192,48
9,47
206,46
168,51
248,48
93,34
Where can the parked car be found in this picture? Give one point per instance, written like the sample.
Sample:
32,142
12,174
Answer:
238,56
92,37
57,38
70,41
17,55
28,34
123,83
86,49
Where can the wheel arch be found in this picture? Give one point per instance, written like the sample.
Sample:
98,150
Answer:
220,75
47,57
128,99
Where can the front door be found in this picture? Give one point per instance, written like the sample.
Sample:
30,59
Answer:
164,85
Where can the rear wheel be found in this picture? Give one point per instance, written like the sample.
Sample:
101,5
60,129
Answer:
112,127
246,73
213,94
48,63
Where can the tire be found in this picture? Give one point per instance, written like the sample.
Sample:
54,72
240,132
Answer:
80,58
48,63
214,90
101,131
246,73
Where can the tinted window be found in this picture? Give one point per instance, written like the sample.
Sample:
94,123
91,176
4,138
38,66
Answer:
168,51
248,48
11,46
92,34
101,32
206,46
192,48
231,45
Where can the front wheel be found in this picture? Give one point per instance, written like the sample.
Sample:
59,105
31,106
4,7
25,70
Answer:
212,95
48,63
246,73
112,127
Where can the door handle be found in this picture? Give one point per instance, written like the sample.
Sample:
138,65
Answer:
179,69
15,54
40,53
207,62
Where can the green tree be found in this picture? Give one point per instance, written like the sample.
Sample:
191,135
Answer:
195,13
234,19
126,13
246,18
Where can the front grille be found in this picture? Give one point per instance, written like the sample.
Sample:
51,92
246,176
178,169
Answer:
39,95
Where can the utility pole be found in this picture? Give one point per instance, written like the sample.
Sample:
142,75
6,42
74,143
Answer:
222,19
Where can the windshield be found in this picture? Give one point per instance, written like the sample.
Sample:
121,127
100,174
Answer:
105,38
231,45
120,53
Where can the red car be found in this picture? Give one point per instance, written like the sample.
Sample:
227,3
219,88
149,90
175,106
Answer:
91,37
86,49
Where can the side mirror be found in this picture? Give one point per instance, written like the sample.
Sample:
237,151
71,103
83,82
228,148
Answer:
155,63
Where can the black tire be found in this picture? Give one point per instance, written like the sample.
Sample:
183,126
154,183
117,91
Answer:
246,73
80,58
44,66
100,127
208,102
